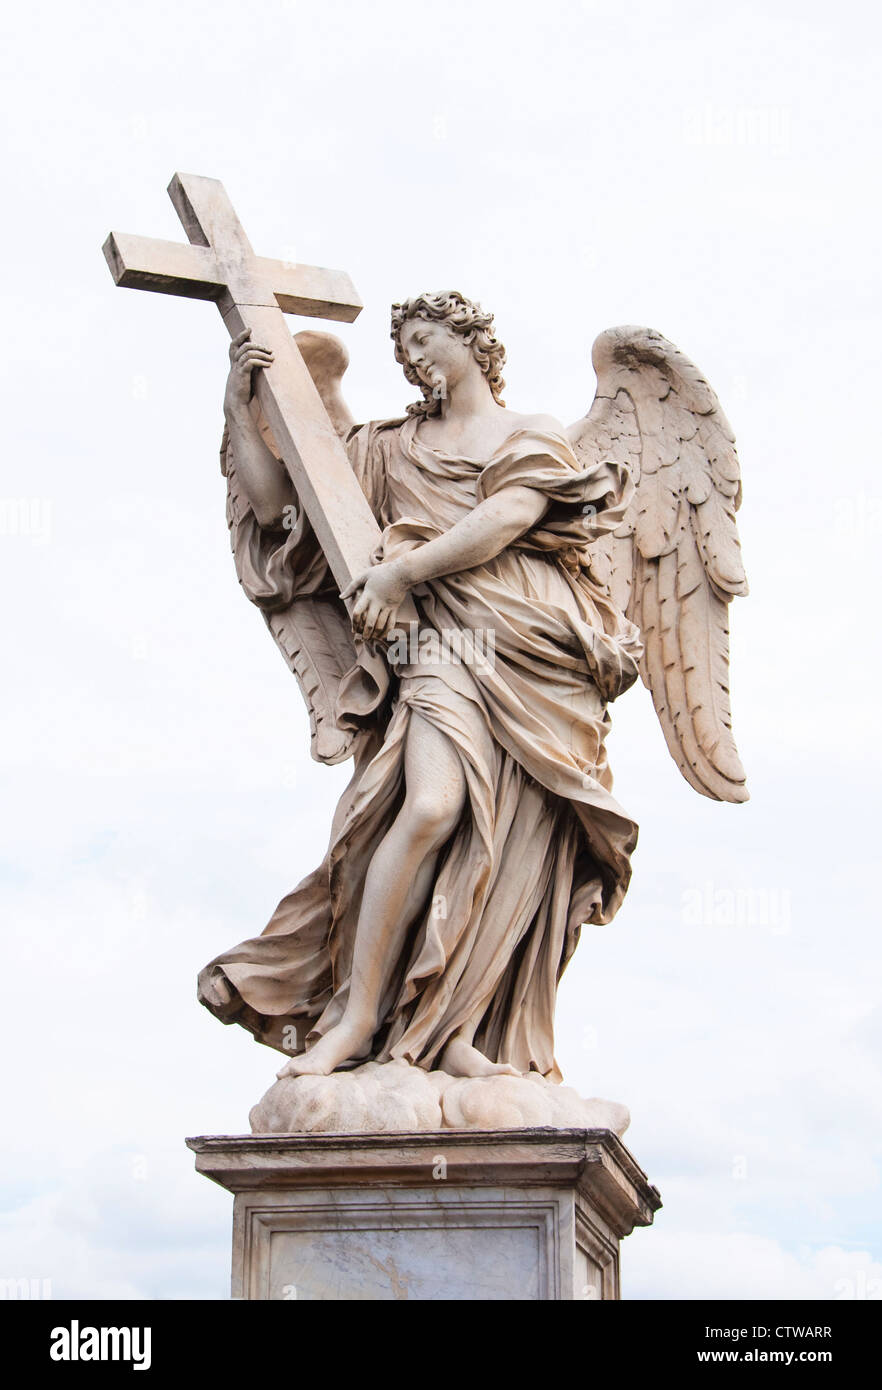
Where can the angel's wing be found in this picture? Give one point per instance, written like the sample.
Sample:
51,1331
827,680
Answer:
674,564
312,628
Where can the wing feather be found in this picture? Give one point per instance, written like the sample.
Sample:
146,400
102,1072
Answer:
675,563
314,637
312,629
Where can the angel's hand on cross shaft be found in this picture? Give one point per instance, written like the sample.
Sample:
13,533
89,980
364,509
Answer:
245,358
383,589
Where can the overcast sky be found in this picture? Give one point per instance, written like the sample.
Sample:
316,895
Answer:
709,170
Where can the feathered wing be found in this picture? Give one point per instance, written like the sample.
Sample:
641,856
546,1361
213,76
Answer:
302,609
674,564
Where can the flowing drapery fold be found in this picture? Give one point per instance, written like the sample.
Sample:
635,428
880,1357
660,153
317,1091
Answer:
542,846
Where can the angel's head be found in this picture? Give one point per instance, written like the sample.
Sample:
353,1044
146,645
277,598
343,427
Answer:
439,337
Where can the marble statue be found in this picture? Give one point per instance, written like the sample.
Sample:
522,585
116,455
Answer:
479,832
516,577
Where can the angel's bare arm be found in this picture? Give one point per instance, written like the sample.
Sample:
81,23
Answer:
266,484
478,537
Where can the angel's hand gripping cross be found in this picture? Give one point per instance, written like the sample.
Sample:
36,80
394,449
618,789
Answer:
253,294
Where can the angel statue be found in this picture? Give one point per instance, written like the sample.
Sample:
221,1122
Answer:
550,567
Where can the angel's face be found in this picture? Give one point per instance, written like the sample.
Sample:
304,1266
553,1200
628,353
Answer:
439,356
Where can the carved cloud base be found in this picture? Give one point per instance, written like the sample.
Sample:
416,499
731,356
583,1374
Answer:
528,1214
382,1098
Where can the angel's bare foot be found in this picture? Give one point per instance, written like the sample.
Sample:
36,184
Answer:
341,1044
221,990
459,1058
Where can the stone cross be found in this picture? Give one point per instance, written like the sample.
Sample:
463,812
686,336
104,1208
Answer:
253,292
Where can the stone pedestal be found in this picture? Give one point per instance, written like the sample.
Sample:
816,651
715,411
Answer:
508,1214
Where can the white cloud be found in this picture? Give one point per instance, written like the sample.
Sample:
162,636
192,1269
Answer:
128,1225
718,1264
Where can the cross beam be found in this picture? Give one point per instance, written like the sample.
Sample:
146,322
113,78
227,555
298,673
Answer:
253,292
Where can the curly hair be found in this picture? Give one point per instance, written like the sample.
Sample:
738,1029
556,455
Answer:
464,317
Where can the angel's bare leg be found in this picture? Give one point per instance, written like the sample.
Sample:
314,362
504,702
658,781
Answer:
397,886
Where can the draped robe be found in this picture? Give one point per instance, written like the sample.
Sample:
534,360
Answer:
542,846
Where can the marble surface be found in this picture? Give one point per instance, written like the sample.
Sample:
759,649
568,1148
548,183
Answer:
528,1215
395,1096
